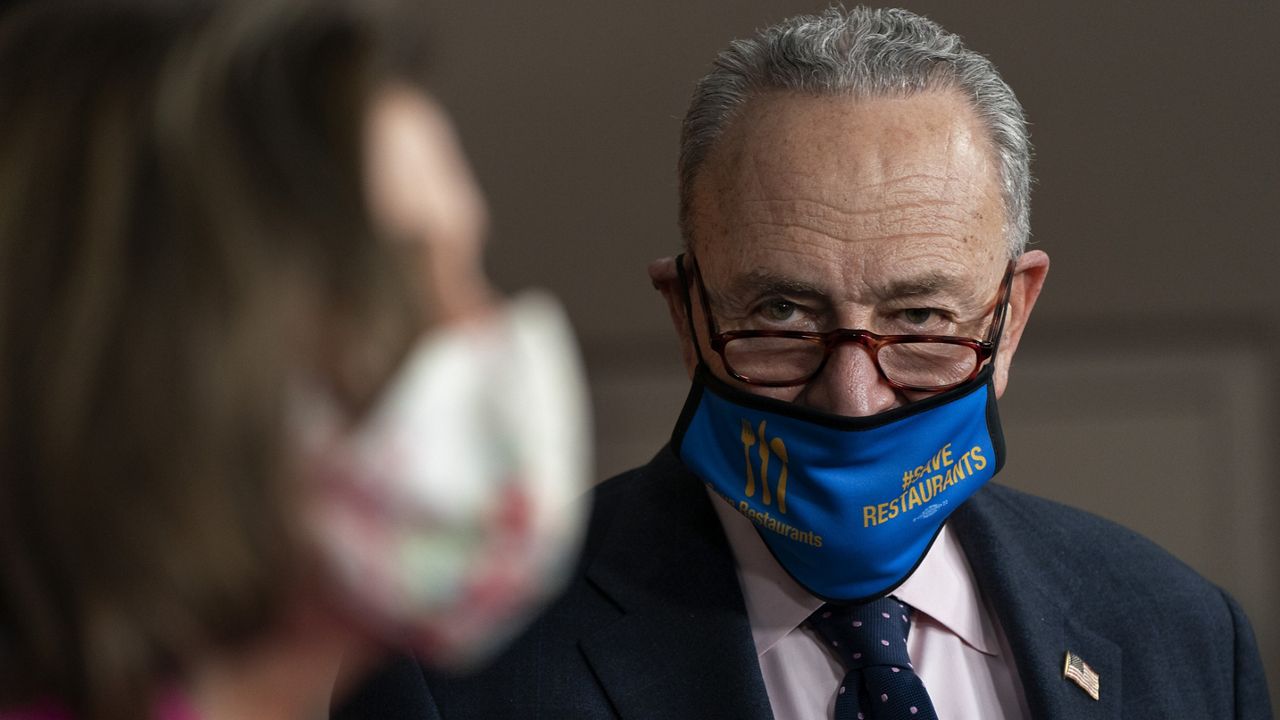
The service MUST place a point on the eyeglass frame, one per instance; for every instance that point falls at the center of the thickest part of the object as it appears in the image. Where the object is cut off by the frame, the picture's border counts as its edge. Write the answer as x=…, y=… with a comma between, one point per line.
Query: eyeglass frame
x=831, y=339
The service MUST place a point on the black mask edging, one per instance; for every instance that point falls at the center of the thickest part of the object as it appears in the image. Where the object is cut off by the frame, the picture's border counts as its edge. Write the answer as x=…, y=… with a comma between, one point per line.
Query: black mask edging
x=704, y=380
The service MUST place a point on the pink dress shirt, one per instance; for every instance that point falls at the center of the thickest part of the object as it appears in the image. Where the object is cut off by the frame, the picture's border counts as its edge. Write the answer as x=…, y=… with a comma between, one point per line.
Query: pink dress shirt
x=956, y=644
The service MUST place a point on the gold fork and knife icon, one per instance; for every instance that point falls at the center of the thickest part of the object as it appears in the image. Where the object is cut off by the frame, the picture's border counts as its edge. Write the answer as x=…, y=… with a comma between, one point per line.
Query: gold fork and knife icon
x=767, y=447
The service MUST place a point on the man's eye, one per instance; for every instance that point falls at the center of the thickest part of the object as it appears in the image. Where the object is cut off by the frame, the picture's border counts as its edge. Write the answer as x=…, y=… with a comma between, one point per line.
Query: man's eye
x=778, y=310
x=919, y=316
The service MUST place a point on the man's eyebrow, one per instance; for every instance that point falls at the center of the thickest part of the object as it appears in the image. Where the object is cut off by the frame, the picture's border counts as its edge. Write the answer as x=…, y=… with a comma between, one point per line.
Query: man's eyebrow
x=764, y=282
x=931, y=283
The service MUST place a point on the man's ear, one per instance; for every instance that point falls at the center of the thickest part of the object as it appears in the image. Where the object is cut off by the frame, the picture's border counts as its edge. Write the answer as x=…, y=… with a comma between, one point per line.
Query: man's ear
x=666, y=280
x=1028, y=279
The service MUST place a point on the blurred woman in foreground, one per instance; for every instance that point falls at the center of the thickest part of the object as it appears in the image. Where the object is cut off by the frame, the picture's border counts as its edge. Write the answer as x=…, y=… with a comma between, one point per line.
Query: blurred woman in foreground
x=258, y=409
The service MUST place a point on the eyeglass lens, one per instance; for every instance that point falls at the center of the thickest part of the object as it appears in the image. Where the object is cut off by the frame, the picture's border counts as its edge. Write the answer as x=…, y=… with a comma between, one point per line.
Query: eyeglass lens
x=784, y=359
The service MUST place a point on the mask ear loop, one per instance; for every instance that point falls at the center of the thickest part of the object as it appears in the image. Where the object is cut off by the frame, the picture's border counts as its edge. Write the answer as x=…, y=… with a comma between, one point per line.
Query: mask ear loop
x=688, y=304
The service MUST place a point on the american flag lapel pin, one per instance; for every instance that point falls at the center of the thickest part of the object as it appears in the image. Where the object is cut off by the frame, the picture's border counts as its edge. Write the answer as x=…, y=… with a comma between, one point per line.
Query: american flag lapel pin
x=1078, y=671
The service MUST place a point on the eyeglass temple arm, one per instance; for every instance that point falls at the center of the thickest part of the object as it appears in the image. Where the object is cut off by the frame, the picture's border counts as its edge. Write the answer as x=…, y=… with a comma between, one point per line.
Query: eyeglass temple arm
x=1002, y=308
x=688, y=303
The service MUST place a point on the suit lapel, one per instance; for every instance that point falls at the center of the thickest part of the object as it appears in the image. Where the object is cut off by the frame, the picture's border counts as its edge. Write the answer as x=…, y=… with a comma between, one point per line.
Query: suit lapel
x=683, y=647
x=1030, y=595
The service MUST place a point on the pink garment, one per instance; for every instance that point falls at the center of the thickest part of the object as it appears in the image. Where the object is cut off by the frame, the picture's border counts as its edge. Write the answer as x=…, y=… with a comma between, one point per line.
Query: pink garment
x=956, y=645
x=171, y=706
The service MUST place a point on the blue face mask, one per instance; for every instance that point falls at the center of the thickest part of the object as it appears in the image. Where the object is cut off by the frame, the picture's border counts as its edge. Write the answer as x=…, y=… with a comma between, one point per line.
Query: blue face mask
x=848, y=506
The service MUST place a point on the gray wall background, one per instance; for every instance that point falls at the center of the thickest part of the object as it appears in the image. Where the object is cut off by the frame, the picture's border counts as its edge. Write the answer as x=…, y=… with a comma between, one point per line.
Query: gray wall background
x=1147, y=384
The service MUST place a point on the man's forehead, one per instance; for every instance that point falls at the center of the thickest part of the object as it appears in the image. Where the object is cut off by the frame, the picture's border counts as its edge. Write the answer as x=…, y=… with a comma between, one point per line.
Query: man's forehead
x=888, y=175
x=896, y=276
x=842, y=147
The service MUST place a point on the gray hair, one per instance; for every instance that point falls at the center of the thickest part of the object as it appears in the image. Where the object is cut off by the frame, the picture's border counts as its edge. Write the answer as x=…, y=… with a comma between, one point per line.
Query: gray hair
x=863, y=52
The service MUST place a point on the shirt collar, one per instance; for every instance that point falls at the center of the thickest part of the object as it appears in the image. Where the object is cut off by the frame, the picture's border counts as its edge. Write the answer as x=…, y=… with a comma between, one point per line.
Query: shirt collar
x=942, y=587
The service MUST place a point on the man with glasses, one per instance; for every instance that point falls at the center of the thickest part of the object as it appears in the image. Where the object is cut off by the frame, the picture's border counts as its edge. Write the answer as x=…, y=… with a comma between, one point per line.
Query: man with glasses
x=820, y=538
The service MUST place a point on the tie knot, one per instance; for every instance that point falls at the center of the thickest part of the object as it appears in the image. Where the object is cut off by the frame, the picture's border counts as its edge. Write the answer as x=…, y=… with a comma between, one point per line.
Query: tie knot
x=866, y=635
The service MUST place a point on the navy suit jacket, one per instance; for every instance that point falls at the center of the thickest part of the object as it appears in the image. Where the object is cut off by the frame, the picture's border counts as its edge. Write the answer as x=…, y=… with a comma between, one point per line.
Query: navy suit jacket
x=654, y=626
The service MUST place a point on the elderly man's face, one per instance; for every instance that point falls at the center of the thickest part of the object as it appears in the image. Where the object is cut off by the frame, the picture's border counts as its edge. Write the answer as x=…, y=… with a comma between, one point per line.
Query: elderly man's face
x=881, y=214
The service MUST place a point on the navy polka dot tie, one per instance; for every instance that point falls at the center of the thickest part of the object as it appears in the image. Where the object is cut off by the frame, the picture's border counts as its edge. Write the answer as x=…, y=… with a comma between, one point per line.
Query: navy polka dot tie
x=871, y=641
